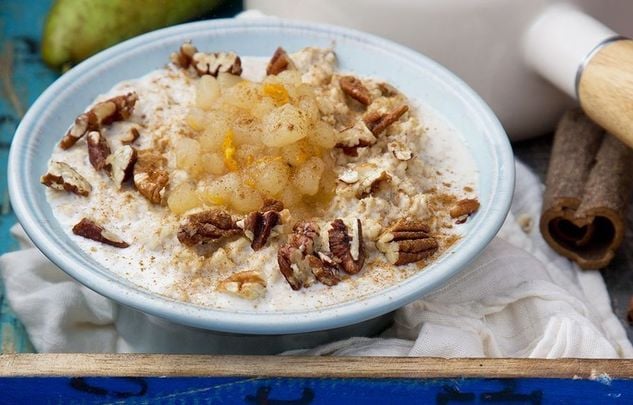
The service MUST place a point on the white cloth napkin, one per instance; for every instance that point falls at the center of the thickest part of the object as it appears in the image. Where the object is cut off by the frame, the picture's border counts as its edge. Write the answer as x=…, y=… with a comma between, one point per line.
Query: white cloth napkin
x=518, y=299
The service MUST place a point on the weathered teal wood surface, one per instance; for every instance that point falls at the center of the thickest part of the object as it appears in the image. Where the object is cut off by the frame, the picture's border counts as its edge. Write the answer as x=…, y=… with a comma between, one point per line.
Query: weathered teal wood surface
x=22, y=78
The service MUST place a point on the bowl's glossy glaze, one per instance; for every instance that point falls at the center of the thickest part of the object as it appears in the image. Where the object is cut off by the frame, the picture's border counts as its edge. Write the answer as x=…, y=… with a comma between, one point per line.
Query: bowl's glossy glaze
x=414, y=74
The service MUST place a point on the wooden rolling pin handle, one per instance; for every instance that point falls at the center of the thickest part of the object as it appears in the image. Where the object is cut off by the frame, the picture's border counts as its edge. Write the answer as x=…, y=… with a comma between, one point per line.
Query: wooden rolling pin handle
x=605, y=88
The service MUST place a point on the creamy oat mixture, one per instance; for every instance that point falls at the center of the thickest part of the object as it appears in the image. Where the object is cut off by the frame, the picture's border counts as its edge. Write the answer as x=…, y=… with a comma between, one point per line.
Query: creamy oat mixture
x=407, y=185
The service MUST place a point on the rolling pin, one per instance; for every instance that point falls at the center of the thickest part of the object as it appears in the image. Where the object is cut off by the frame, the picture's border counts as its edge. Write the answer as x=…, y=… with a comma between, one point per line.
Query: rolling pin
x=589, y=62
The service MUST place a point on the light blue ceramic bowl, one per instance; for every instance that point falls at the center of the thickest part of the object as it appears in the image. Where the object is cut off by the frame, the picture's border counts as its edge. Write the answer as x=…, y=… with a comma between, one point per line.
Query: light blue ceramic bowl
x=416, y=75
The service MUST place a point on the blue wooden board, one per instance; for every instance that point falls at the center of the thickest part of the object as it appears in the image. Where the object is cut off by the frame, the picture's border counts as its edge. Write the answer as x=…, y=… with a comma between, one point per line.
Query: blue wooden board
x=286, y=391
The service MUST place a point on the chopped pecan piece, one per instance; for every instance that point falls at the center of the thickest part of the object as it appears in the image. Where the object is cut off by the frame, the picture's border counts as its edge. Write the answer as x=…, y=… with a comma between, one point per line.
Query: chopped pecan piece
x=463, y=209
x=63, y=177
x=208, y=226
x=91, y=230
x=123, y=108
x=84, y=123
x=291, y=256
x=131, y=136
x=387, y=90
x=279, y=62
x=121, y=164
x=104, y=113
x=348, y=252
x=354, y=88
x=407, y=241
x=324, y=269
x=258, y=225
x=98, y=150
x=150, y=177
x=216, y=62
x=293, y=267
x=377, y=122
x=184, y=57
x=245, y=284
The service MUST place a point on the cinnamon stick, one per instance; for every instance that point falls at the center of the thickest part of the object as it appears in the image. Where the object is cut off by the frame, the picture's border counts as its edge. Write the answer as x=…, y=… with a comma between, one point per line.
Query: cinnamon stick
x=587, y=191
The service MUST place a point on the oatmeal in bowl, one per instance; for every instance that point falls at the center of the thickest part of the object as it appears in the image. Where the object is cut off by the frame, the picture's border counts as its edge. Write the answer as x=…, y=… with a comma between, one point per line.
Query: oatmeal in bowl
x=240, y=183
x=202, y=176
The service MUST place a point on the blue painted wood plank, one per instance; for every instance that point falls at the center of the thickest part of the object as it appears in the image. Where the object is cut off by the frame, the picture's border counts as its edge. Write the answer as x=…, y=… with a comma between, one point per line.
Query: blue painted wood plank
x=282, y=391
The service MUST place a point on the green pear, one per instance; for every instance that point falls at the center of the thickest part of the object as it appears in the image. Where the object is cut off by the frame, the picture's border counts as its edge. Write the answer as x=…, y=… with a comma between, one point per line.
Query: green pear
x=76, y=29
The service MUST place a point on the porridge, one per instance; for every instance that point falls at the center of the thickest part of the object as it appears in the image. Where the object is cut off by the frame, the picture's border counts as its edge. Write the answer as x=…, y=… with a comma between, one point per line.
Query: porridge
x=269, y=185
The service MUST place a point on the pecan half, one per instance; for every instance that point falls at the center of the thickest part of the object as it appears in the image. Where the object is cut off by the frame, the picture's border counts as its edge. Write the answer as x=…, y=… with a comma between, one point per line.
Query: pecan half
x=184, y=57
x=245, y=284
x=208, y=226
x=150, y=176
x=258, y=225
x=407, y=241
x=348, y=252
x=377, y=122
x=121, y=164
x=130, y=137
x=279, y=62
x=355, y=89
x=98, y=150
x=463, y=209
x=83, y=124
x=216, y=62
x=91, y=230
x=61, y=176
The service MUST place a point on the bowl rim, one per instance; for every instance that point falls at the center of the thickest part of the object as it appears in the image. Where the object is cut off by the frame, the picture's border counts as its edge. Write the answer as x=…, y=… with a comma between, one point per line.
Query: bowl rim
x=330, y=317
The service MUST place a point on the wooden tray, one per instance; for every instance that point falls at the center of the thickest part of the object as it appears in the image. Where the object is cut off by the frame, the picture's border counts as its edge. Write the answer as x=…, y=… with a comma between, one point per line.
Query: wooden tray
x=107, y=378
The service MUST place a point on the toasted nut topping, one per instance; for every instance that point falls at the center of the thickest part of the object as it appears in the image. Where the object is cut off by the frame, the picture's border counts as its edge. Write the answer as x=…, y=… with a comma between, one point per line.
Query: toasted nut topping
x=258, y=225
x=245, y=284
x=184, y=57
x=104, y=113
x=407, y=241
x=98, y=150
x=354, y=88
x=463, y=209
x=91, y=230
x=279, y=62
x=121, y=164
x=324, y=269
x=83, y=124
x=348, y=252
x=291, y=256
x=63, y=177
x=400, y=151
x=354, y=137
x=131, y=136
x=208, y=226
x=216, y=62
x=377, y=122
x=150, y=177
x=387, y=90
